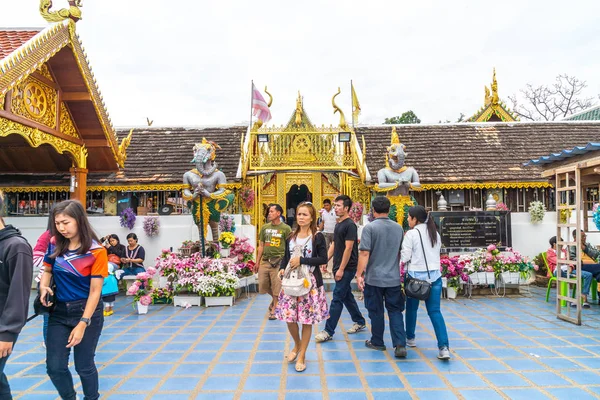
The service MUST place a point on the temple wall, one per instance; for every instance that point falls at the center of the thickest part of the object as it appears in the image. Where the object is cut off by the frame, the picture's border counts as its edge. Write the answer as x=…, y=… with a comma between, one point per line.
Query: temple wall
x=174, y=229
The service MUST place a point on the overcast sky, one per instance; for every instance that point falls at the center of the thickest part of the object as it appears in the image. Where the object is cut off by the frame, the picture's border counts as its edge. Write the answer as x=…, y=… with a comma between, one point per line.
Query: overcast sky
x=190, y=62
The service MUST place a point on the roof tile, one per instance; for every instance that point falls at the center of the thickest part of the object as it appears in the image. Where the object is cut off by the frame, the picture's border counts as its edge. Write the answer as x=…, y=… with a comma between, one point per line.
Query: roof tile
x=10, y=40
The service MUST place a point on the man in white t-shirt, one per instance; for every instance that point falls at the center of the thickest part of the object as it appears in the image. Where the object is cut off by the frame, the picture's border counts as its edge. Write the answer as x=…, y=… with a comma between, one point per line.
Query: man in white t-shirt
x=327, y=225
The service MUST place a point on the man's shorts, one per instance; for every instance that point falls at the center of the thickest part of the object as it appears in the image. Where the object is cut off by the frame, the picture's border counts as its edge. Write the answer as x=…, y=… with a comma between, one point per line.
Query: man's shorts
x=268, y=278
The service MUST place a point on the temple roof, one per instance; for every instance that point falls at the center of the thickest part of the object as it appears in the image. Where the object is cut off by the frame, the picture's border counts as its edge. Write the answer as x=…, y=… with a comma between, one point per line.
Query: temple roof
x=589, y=114
x=12, y=39
x=476, y=152
x=58, y=48
x=163, y=155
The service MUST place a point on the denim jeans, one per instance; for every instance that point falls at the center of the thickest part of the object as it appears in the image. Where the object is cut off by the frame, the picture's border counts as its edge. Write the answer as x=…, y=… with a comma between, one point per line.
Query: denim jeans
x=132, y=271
x=4, y=386
x=434, y=311
x=394, y=303
x=342, y=296
x=594, y=269
x=62, y=321
x=587, y=280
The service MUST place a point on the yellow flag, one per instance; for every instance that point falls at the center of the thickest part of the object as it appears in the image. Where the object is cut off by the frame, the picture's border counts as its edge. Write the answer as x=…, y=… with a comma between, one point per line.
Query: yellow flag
x=355, y=106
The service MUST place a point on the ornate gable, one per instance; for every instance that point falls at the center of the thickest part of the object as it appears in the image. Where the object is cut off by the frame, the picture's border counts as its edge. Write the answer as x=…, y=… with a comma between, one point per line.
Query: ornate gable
x=493, y=110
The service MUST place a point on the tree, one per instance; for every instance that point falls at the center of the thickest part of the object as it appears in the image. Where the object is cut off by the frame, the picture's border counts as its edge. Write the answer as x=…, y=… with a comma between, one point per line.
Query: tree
x=408, y=117
x=548, y=103
x=461, y=118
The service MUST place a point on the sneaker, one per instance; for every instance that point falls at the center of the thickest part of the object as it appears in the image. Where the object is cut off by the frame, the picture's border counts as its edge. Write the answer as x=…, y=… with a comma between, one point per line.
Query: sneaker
x=400, y=352
x=43, y=344
x=119, y=273
x=373, y=346
x=356, y=328
x=323, y=336
x=444, y=354
x=586, y=305
x=411, y=342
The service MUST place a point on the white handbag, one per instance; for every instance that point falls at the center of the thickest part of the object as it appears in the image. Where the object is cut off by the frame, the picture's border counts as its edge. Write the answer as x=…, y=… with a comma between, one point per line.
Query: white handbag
x=296, y=282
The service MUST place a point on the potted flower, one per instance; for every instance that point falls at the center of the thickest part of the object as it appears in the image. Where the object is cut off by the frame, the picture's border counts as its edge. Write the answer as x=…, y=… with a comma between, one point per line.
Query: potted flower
x=226, y=239
x=356, y=211
x=537, y=210
x=141, y=290
x=151, y=226
x=247, y=195
x=217, y=286
x=453, y=271
x=227, y=223
x=162, y=295
x=127, y=218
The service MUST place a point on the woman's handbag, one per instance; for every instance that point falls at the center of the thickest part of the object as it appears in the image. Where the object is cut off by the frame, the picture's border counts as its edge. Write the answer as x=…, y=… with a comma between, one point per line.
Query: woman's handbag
x=418, y=288
x=296, y=281
x=38, y=307
x=115, y=259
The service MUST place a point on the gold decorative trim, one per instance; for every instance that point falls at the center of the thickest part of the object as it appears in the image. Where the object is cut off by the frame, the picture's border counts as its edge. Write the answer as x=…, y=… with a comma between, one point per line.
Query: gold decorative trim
x=141, y=187
x=35, y=138
x=67, y=126
x=45, y=72
x=38, y=189
x=230, y=186
x=486, y=185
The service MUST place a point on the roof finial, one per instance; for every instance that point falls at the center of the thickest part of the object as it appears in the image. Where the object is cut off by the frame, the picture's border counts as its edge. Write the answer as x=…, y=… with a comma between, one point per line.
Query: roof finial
x=395, y=138
x=72, y=12
x=298, y=120
x=495, y=98
x=343, y=123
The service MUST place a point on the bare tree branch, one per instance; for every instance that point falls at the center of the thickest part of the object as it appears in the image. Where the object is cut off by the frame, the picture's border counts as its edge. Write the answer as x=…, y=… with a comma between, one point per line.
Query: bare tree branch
x=548, y=103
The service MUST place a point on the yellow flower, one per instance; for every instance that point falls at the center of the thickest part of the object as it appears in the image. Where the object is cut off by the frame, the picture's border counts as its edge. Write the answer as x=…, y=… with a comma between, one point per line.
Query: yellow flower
x=227, y=238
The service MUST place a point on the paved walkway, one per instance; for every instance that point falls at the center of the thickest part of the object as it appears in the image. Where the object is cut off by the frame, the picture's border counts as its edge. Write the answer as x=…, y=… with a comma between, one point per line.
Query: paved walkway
x=501, y=348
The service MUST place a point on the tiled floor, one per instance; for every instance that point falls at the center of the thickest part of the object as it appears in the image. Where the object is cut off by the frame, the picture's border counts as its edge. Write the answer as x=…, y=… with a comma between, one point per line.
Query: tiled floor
x=501, y=347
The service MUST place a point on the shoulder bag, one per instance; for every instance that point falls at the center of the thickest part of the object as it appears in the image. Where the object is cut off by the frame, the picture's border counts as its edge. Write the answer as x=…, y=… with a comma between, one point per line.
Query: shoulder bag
x=296, y=281
x=418, y=288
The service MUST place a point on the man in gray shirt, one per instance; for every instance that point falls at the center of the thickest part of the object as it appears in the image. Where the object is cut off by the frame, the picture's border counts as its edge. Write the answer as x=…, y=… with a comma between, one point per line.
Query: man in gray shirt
x=379, y=260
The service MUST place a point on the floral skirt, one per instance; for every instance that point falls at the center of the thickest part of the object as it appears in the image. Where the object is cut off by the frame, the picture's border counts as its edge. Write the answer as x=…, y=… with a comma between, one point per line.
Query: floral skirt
x=307, y=310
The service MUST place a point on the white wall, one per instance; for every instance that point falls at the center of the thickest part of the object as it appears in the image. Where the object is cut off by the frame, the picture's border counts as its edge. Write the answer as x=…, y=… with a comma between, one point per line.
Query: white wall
x=174, y=229
x=529, y=239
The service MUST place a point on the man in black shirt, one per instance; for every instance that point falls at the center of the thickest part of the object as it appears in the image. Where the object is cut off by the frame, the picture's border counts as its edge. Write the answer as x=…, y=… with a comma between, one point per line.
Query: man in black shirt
x=344, y=250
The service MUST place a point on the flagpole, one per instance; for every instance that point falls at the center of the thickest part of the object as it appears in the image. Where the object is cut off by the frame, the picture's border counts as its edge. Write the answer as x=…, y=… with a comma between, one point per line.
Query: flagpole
x=352, y=102
x=251, y=97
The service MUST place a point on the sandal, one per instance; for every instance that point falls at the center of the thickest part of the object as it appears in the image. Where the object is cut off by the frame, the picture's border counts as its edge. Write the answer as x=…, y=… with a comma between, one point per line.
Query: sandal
x=271, y=305
x=300, y=367
x=272, y=317
x=291, y=357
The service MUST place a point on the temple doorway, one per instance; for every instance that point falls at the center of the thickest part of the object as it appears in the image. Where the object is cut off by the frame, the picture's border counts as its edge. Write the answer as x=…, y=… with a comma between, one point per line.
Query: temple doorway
x=295, y=196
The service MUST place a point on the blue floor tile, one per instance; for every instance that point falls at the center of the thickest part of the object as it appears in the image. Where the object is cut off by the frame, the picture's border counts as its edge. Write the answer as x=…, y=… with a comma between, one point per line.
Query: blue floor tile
x=392, y=395
x=506, y=379
x=481, y=394
x=545, y=378
x=371, y=367
x=436, y=395
x=466, y=381
x=525, y=394
x=303, y=382
x=179, y=384
x=425, y=381
x=304, y=396
x=384, y=382
x=221, y=383
x=254, y=382
x=344, y=382
x=340, y=368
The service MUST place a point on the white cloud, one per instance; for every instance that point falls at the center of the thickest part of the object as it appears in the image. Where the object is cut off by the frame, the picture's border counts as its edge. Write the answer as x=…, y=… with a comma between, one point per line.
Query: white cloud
x=191, y=62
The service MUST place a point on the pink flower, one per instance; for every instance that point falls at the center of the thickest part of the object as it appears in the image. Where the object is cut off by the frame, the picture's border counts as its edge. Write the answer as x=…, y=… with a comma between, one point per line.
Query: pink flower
x=146, y=300
x=491, y=247
x=132, y=290
x=151, y=271
x=142, y=276
x=536, y=267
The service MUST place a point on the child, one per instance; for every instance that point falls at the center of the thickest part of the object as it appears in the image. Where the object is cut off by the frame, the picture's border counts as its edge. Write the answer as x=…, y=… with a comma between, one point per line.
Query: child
x=110, y=289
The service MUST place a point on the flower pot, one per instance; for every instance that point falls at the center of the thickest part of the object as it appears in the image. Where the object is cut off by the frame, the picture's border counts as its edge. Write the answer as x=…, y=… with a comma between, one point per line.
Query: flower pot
x=225, y=252
x=510, y=278
x=451, y=293
x=490, y=278
x=142, y=309
x=243, y=282
x=185, y=299
x=218, y=301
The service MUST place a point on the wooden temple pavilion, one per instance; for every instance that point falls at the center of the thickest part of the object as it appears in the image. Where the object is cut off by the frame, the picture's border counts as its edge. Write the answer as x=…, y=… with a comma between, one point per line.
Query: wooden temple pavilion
x=52, y=116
